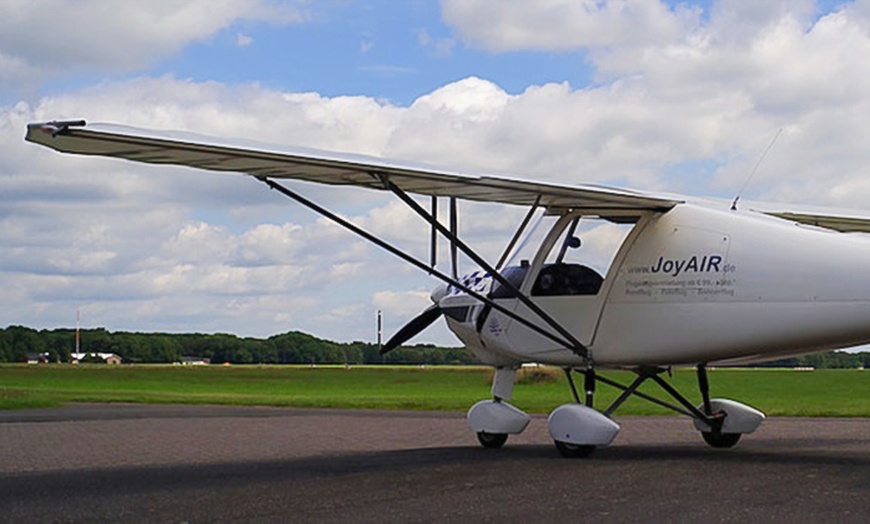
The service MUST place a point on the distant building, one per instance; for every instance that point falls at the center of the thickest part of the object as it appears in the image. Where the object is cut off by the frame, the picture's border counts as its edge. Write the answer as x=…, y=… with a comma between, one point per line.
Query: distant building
x=37, y=358
x=109, y=358
x=195, y=361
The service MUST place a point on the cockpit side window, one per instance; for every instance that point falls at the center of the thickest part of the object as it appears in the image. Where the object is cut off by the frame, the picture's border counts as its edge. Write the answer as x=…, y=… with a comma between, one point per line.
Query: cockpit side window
x=515, y=275
x=579, y=260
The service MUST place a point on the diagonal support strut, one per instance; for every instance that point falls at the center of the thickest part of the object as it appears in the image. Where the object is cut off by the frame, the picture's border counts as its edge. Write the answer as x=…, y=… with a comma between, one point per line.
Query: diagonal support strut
x=409, y=259
x=575, y=345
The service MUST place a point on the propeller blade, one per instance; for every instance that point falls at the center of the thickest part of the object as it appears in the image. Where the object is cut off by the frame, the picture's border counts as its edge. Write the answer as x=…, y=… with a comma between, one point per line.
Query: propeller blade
x=412, y=328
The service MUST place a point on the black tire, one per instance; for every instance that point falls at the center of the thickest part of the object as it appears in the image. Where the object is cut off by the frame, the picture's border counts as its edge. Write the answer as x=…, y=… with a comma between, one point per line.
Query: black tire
x=492, y=440
x=717, y=439
x=568, y=450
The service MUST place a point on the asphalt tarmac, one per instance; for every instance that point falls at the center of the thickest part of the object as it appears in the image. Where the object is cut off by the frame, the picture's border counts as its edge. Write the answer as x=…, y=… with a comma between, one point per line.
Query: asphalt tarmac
x=203, y=463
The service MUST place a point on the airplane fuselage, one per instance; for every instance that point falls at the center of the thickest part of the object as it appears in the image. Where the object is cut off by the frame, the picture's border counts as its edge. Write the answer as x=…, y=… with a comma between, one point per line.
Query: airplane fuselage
x=698, y=284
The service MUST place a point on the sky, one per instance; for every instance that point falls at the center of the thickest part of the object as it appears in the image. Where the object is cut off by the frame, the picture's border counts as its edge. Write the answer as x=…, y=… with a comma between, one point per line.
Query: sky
x=672, y=96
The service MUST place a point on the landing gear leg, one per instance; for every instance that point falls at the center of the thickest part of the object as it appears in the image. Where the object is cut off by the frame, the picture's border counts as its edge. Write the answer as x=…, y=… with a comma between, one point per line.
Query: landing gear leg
x=589, y=385
x=573, y=386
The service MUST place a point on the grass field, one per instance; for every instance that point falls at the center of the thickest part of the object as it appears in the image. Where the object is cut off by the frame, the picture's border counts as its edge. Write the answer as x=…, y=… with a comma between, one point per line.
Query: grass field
x=776, y=392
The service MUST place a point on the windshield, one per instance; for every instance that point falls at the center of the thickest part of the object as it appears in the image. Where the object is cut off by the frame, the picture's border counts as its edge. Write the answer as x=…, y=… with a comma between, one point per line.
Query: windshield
x=589, y=241
x=532, y=240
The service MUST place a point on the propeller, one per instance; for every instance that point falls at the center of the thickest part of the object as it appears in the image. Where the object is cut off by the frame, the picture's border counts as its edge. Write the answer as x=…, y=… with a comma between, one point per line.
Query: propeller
x=412, y=328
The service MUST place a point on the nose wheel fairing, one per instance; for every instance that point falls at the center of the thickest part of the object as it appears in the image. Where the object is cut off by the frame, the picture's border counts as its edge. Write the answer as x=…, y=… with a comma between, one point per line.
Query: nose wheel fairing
x=497, y=417
x=579, y=425
x=740, y=418
x=493, y=420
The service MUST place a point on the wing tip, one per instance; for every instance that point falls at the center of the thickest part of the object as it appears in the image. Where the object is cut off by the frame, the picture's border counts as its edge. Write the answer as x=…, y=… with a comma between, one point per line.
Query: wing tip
x=53, y=128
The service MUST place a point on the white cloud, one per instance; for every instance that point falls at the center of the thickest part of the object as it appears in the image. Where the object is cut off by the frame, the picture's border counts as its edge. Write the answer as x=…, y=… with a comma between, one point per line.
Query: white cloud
x=89, y=232
x=561, y=25
x=243, y=40
x=442, y=47
x=736, y=22
x=41, y=39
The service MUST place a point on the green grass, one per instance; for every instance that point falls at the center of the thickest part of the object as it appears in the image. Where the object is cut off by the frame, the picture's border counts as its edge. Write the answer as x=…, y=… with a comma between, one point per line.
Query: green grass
x=776, y=392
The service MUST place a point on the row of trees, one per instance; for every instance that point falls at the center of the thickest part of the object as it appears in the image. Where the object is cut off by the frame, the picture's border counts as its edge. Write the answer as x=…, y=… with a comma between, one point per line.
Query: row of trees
x=829, y=360
x=16, y=342
x=287, y=348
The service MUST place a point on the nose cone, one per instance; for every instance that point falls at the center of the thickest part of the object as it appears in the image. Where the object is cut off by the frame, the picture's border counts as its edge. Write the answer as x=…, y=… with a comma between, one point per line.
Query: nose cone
x=438, y=293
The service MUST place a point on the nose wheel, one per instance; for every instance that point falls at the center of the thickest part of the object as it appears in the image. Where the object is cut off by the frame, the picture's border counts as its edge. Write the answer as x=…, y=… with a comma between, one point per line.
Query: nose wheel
x=491, y=440
x=717, y=439
x=568, y=450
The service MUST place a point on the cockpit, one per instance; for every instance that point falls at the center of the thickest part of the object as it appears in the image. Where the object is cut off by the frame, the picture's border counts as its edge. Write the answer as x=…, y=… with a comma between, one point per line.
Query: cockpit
x=554, y=279
x=562, y=267
x=566, y=279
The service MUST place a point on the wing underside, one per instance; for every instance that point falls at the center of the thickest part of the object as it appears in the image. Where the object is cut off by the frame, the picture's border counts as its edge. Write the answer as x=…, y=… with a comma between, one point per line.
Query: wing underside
x=281, y=162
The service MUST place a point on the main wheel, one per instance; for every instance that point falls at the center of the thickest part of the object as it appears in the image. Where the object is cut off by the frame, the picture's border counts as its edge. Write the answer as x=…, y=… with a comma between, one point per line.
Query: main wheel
x=569, y=450
x=492, y=440
x=717, y=439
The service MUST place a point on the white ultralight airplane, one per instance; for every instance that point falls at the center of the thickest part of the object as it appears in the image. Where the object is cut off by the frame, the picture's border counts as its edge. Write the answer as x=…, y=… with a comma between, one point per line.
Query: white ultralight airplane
x=692, y=283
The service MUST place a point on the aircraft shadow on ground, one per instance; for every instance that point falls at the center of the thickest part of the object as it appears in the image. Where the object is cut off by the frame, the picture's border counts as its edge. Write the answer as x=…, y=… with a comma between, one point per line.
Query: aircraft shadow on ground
x=15, y=487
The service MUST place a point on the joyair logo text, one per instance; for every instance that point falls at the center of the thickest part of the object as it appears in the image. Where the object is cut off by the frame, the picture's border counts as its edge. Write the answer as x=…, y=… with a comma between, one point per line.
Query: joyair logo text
x=693, y=264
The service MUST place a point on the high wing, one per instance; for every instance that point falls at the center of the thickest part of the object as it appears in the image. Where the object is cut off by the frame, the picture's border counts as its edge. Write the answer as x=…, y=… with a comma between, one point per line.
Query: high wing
x=271, y=161
x=842, y=223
